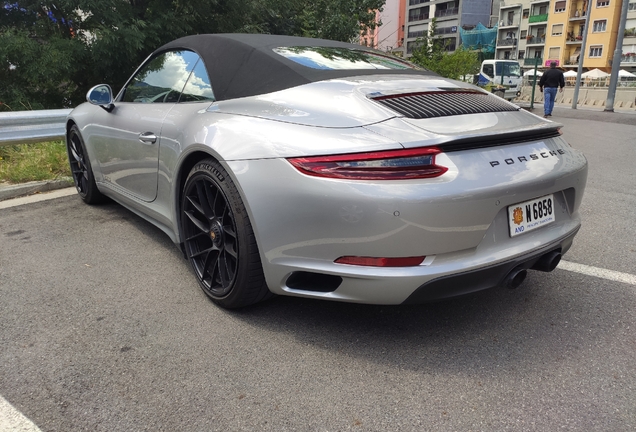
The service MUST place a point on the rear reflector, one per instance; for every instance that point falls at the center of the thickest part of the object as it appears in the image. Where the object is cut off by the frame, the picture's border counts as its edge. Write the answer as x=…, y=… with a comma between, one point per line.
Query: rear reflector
x=381, y=262
x=385, y=165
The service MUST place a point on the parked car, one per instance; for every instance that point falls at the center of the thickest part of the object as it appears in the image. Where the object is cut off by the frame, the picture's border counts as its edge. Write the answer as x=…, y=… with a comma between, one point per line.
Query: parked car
x=321, y=169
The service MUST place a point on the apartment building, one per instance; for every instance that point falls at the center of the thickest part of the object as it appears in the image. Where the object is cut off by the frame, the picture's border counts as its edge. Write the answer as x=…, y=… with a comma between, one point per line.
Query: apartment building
x=566, y=25
x=450, y=16
x=628, y=59
x=552, y=30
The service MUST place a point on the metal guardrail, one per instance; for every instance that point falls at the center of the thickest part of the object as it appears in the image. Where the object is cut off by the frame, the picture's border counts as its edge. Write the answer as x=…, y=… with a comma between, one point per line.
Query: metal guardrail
x=24, y=127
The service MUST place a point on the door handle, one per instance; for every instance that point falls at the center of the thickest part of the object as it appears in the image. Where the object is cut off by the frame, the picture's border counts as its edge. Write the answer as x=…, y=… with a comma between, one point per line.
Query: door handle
x=148, y=138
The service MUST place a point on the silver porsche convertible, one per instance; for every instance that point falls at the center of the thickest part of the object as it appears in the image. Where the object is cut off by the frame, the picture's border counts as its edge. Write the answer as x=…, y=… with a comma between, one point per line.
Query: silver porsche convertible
x=313, y=168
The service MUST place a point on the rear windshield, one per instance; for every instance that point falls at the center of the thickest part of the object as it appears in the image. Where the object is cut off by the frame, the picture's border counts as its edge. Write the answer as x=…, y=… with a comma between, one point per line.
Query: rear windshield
x=332, y=58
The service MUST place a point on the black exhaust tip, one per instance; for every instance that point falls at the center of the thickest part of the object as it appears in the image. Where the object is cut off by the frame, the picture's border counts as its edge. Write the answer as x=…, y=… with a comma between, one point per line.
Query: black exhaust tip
x=515, y=278
x=548, y=262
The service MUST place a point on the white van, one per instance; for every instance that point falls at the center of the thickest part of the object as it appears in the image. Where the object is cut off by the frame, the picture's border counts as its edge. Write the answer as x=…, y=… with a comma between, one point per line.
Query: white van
x=492, y=71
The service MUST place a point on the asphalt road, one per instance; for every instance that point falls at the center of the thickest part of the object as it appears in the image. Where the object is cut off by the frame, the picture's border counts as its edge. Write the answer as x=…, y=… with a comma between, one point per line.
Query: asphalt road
x=103, y=328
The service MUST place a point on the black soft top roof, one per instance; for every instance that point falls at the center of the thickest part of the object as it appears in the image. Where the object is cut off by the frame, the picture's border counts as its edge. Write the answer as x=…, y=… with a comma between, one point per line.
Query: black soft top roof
x=243, y=65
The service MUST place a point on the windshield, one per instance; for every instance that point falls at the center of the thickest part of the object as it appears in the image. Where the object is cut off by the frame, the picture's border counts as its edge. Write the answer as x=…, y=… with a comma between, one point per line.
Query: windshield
x=510, y=69
x=331, y=58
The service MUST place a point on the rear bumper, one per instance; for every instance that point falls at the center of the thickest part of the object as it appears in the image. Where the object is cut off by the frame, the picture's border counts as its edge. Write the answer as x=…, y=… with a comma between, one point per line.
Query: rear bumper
x=484, y=278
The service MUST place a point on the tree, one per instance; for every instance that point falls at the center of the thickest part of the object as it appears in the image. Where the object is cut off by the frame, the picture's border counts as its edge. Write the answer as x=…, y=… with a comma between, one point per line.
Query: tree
x=431, y=53
x=53, y=51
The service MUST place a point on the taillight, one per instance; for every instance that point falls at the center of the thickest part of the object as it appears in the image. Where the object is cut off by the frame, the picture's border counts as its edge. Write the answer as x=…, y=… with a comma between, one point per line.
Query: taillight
x=385, y=165
x=381, y=262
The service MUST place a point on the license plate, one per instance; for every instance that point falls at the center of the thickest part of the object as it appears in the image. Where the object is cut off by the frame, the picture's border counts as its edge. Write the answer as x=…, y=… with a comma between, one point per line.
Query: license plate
x=530, y=215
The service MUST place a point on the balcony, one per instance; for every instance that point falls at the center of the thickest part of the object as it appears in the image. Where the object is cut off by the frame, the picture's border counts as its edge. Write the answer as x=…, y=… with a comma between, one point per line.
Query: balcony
x=628, y=58
x=535, y=40
x=533, y=61
x=416, y=2
x=419, y=17
x=441, y=13
x=417, y=34
x=538, y=18
x=445, y=30
x=578, y=16
x=508, y=42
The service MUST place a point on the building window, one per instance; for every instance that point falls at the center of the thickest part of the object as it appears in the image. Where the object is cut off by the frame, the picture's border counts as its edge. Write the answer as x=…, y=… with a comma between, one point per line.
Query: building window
x=599, y=26
x=602, y=3
x=557, y=29
x=521, y=55
x=524, y=34
x=559, y=6
x=632, y=6
x=596, y=51
x=554, y=53
x=526, y=13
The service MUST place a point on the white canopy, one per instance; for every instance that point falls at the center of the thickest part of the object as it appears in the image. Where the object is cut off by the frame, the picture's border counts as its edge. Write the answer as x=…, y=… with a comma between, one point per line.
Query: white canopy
x=595, y=73
x=624, y=74
x=570, y=74
x=531, y=73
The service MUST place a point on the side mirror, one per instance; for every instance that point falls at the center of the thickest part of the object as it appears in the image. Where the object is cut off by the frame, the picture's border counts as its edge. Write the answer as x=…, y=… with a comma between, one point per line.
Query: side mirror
x=101, y=95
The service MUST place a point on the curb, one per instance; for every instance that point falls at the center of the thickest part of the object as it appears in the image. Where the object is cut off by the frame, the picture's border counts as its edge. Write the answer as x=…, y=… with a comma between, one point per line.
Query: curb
x=30, y=188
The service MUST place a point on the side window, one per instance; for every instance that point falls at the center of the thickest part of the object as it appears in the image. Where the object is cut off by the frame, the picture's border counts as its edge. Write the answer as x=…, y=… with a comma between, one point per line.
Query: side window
x=162, y=79
x=489, y=70
x=198, y=87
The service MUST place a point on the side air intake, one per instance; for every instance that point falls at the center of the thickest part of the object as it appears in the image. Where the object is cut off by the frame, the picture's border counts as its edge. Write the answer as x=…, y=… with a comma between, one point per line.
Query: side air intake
x=444, y=103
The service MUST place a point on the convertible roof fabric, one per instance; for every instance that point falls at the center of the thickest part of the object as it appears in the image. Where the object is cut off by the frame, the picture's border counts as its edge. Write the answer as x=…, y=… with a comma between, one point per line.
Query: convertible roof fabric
x=242, y=65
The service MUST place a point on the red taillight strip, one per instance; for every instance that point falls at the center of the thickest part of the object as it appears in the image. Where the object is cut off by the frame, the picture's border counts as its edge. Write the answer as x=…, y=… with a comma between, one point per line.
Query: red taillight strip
x=397, y=165
x=381, y=262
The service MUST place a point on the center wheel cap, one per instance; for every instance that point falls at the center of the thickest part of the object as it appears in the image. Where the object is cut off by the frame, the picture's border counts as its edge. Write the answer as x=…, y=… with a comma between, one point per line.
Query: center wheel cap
x=216, y=232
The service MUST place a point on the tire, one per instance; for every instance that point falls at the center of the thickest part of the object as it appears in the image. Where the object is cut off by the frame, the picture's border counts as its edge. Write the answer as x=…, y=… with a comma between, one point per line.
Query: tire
x=218, y=238
x=81, y=169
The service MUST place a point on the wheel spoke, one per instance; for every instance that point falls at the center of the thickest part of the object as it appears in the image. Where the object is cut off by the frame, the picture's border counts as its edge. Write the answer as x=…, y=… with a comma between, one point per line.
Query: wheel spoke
x=204, y=201
x=229, y=248
x=211, y=199
x=210, y=260
x=224, y=272
x=197, y=222
x=74, y=149
x=229, y=230
x=197, y=206
x=199, y=234
x=204, y=251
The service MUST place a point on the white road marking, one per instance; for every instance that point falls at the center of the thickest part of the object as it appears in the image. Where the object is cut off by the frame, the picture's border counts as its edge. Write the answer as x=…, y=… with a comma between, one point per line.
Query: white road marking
x=598, y=272
x=38, y=197
x=12, y=420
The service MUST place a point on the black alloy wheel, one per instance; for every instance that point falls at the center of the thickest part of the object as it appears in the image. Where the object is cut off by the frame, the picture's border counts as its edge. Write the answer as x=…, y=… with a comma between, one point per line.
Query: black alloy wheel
x=218, y=238
x=81, y=168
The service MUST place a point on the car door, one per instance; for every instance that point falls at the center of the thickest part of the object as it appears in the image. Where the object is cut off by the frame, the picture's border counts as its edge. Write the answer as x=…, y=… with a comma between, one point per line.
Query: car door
x=127, y=139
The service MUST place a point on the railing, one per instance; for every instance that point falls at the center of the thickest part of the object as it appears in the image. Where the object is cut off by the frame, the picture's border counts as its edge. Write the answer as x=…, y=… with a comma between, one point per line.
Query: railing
x=581, y=16
x=446, y=12
x=418, y=17
x=535, y=40
x=538, y=18
x=507, y=42
x=446, y=30
x=628, y=59
x=24, y=127
x=532, y=61
x=416, y=2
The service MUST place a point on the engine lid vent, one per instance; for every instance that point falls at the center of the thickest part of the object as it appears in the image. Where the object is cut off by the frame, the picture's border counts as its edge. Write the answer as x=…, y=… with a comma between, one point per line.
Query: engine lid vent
x=444, y=103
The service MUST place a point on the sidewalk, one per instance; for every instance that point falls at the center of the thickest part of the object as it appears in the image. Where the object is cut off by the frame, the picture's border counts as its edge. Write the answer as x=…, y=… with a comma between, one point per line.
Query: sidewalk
x=621, y=116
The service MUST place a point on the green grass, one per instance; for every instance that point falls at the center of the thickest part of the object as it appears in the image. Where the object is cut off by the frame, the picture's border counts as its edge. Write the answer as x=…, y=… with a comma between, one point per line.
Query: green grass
x=33, y=162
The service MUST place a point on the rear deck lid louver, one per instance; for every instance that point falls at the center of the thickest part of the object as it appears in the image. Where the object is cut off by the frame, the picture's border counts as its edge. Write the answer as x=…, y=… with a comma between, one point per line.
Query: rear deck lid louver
x=444, y=103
